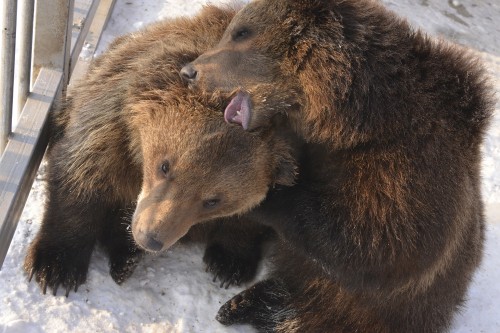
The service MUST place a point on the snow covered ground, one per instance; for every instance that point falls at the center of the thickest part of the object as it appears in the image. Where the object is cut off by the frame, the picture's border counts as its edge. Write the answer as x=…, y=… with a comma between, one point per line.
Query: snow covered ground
x=171, y=292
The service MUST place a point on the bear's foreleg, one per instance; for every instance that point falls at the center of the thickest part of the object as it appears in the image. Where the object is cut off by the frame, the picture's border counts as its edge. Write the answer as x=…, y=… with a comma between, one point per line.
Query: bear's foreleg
x=117, y=240
x=60, y=253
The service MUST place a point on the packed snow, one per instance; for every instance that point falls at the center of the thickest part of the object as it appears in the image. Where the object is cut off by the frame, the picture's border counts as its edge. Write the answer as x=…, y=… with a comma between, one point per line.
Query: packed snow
x=172, y=292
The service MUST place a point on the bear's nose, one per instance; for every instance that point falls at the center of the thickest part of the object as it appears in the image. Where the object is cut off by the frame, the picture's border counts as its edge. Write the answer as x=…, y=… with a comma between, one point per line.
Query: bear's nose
x=188, y=73
x=153, y=244
x=149, y=242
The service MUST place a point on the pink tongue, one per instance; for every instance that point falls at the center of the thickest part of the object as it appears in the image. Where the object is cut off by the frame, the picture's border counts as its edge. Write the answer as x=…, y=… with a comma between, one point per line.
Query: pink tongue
x=238, y=110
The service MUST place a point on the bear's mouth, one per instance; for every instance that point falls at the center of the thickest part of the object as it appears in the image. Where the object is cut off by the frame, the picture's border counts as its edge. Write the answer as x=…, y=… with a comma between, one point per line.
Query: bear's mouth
x=238, y=110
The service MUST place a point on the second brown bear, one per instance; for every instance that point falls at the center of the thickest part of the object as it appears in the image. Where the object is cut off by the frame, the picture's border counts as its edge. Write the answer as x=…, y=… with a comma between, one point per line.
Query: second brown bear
x=385, y=227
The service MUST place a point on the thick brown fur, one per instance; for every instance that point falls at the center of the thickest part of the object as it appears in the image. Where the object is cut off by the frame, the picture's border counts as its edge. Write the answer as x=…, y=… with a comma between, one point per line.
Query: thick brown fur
x=131, y=133
x=386, y=221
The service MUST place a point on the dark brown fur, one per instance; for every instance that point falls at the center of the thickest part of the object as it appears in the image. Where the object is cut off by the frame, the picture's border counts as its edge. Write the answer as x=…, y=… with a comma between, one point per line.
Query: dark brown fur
x=386, y=221
x=130, y=129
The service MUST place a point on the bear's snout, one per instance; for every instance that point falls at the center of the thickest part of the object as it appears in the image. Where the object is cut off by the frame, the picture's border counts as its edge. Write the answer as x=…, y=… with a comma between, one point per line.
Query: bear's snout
x=148, y=241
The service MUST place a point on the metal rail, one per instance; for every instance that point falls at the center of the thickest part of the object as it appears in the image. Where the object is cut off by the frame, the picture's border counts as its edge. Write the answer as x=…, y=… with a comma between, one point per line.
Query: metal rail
x=57, y=43
x=7, y=55
x=24, y=40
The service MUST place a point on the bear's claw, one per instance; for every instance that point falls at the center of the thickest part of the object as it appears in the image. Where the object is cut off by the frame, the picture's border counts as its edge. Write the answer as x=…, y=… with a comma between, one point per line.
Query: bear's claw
x=53, y=267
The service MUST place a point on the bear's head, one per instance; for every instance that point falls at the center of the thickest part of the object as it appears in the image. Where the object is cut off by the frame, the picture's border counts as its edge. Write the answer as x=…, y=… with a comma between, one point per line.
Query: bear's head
x=196, y=167
x=295, y=57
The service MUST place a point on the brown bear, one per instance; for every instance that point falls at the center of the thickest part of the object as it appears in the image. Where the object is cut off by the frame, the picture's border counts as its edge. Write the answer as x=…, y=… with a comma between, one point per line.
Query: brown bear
x=386, y=221
x=131, y=137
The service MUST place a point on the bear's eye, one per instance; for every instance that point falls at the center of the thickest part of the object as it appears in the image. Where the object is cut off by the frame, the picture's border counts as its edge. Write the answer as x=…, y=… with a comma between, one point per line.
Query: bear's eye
x=241, y=34
x=211, y=203
x=165, y=167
